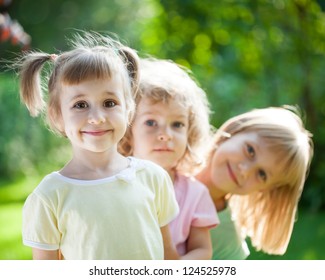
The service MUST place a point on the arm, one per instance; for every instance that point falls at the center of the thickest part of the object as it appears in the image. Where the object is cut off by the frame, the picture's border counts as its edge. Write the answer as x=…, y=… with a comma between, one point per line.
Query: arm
x=39, y=254
x=198, y=244
x=170, y=252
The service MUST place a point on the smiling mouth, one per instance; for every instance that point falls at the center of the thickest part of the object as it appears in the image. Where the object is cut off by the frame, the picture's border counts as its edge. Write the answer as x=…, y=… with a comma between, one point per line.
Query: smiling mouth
x=96, y=133
x=232, y=175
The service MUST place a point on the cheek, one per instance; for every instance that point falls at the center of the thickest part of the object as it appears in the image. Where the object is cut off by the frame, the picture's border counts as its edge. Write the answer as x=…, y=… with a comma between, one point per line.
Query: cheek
x=70, y=121
x=251, y=186
x=56, y=120
x=140, y=142
x=122, y=119
x=142, y=134
x=215, y=162
x=183, y=147
x=218, y=170
x=119, y=121
x=182, y=139
x=137, y=134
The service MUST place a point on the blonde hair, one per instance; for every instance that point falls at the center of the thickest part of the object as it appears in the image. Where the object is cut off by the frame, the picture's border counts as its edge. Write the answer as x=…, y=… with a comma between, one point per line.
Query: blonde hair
x=93, y=56
x=267, y=217
x=164, y=80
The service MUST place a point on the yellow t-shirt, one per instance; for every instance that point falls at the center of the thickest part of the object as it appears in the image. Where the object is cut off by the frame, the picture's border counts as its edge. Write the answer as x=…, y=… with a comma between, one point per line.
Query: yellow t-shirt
x=118, y=217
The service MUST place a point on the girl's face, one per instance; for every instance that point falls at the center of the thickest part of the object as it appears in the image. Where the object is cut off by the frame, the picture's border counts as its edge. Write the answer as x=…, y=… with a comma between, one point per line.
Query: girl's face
x=160, y=132
x=93, y=113
x=244, y=164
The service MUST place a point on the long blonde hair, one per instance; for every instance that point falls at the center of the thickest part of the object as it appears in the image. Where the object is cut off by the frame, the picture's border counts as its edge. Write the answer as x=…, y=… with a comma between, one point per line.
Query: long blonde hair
x=93, y=56
x=164, y=80
x=267, y=217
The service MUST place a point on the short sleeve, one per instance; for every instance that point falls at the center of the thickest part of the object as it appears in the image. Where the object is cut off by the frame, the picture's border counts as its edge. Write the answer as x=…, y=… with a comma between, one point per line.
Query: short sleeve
x=167, y=205
x=39, y=227
x=205, y=214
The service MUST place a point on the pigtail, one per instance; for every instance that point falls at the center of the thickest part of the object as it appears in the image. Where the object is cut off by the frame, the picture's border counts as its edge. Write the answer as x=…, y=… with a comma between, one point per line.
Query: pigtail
x=30, y=82
x=131, y=60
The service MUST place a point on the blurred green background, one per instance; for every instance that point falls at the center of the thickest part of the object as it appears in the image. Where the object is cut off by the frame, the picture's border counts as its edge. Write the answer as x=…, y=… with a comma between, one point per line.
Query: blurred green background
x=245, y=54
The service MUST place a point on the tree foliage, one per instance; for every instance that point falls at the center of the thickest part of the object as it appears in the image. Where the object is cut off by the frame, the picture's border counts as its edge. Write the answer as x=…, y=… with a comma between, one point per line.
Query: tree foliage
x=245, y=54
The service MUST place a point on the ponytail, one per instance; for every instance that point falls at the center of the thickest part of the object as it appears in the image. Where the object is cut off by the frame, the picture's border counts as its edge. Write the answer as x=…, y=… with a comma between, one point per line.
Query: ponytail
x=31, y=92
x=131, y=60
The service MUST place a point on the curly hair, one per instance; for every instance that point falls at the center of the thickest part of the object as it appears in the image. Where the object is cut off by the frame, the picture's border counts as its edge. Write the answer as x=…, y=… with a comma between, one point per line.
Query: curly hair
x=164, y=80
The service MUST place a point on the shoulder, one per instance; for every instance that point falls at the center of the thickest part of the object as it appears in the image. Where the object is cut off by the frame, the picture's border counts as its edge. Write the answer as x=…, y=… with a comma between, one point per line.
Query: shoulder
x=192, y=184
x=45, y=192
x=50, y=181
x=152, y=175
x=147, y=166
x=52, y=186
x=226, y=216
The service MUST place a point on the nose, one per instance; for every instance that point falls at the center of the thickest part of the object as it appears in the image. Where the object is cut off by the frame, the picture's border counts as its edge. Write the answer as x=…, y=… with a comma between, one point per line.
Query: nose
x=164, y=135
x=96, y=116
x=245, y=168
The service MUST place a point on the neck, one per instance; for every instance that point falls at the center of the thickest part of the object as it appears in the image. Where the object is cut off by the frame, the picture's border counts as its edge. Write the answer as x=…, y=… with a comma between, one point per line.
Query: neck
x=172, y=174
x=218, y=195
x=91, y=165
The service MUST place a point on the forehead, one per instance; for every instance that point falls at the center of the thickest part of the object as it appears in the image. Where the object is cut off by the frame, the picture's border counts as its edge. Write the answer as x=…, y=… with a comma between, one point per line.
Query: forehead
x=93, y=87
x=172, y=106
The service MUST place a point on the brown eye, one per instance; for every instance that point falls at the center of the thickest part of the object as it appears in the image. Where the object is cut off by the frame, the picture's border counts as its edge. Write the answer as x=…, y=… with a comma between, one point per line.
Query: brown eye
x=178, y=124
x=262, y=175
x=109, y=103
x=80, y=105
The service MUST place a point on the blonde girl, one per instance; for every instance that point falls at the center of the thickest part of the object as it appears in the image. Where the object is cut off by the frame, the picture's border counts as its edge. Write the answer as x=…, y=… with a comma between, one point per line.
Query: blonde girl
x=255, y=174
x=100, y=205
x=171, y=128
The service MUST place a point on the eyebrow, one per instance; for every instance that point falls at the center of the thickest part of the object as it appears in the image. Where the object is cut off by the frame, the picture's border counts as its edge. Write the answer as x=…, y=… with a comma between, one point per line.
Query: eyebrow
x=82, y=95
x=181, y=116
x=78, y=96
x=154, y=113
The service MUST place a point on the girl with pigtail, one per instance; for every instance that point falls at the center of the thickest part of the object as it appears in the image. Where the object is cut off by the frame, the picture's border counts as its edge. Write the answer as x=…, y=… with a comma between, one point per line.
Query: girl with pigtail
x=101, y=204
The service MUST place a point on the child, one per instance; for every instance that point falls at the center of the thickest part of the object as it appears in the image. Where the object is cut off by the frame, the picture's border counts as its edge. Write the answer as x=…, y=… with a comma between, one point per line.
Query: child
x=100, y=205
x=171, y=128
x=255, y=174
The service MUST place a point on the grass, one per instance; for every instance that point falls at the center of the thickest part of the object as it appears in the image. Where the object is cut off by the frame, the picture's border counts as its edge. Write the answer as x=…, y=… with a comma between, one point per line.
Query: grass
x=12, y=197
x=307, y=242
x=11, y=247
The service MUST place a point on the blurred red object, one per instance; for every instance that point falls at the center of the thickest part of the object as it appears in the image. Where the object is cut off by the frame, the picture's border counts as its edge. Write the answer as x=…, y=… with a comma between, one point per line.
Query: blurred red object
x=12, y=30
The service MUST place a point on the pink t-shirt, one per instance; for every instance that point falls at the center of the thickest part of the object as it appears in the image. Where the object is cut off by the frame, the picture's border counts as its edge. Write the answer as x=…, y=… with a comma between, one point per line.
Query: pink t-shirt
x=196, y=209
